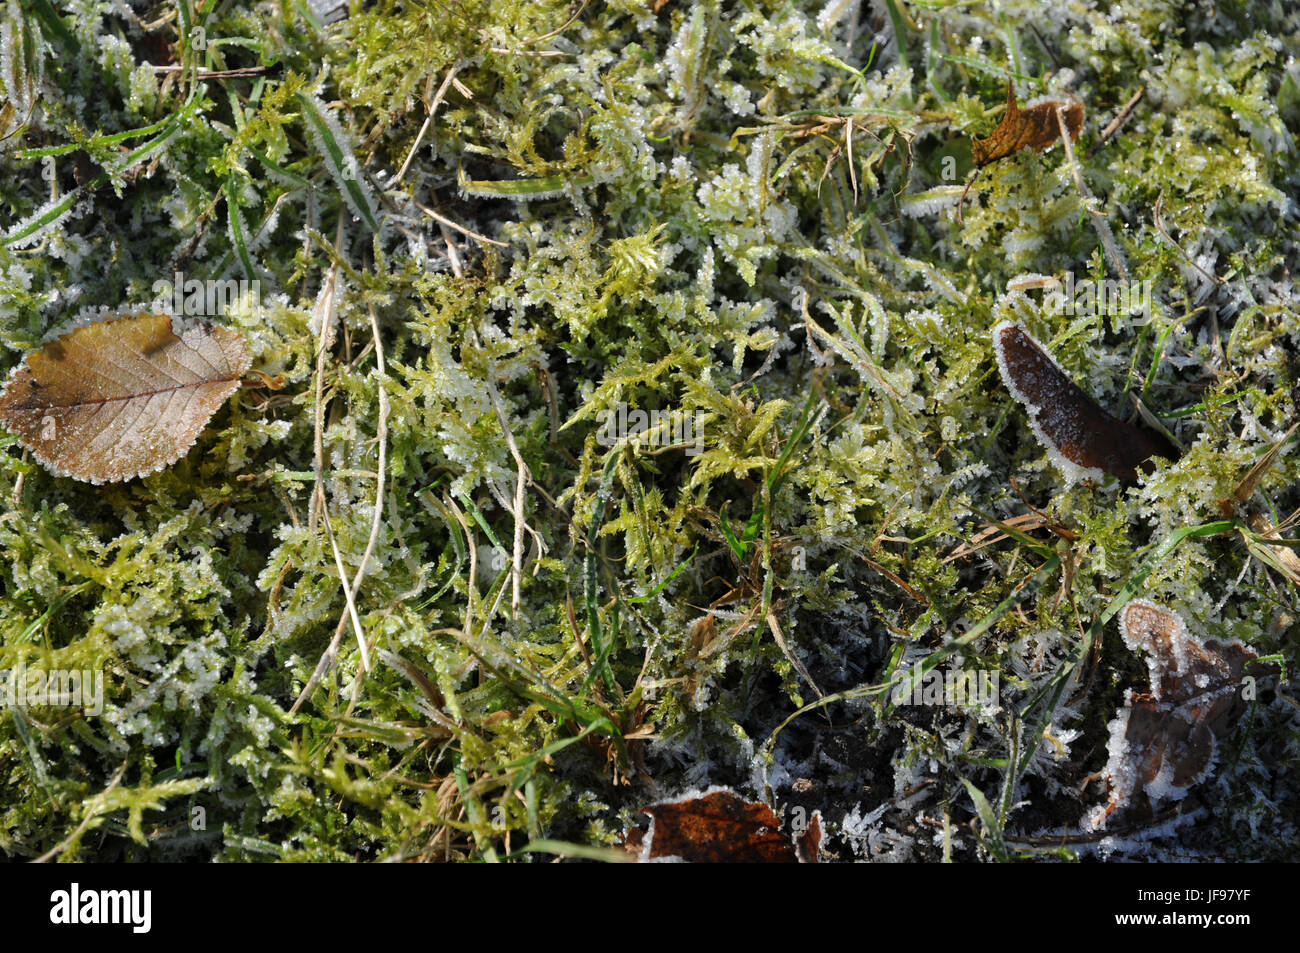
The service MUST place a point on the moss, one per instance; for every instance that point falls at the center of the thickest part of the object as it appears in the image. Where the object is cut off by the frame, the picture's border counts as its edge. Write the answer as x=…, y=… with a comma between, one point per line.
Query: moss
x=717, y=210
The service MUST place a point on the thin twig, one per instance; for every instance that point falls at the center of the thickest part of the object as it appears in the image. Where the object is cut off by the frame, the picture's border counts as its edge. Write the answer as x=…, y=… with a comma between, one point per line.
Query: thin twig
x=203, y=73
x=853, y=175
x=428, y=120
x=347, y=591
x=501, y=50
x=86, y=821
x=471, y=586
x=1160, y=227
x=325, y=663
x=327, y=660
x=560, y=29
x=1113, y=126
x=453, y=256
x=443, y=220
x=1090, y=203
x=790, y=656
x=324, y=312
x=522, y=478
x=381, y=434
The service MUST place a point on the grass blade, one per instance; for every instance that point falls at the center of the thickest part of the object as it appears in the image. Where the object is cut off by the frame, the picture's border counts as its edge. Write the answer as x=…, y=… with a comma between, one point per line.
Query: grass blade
x=331, y=143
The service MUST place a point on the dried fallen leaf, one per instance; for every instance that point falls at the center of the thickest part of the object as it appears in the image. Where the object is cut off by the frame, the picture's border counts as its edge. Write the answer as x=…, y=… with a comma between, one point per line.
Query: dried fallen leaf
x=808, y=843
x=1246, y=488
x=1163, y=742
x=121, y=398
x=1282, y=559
x=1032, y=128
x=719, y=827
x=1080, y=437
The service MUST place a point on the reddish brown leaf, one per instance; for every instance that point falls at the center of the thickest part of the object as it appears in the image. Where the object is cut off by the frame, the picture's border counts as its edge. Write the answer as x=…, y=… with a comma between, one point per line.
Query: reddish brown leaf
x=719, y=827
x=808, y=844
x=1163, y=742
x=1082, y=438
x=121, y=398
x=1032, y=128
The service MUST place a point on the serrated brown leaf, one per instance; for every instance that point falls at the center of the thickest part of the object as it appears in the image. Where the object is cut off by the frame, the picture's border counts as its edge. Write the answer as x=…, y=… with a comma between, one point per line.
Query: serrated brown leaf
x=1164, y=741
x=121, y=398
x=1032, y=128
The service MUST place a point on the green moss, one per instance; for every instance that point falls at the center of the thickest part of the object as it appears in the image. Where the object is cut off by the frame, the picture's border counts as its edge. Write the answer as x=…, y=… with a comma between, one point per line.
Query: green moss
x=678, y=217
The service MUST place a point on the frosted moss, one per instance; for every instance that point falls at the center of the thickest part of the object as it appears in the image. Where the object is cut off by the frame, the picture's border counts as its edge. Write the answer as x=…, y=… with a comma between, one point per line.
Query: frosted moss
x=747, y=213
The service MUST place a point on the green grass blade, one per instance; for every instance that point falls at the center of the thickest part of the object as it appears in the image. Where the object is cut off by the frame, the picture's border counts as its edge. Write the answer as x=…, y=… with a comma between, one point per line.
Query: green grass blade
x=521, y=190
x=591, y=594
x=608, y=855
x=992, y=829
x=331, y=143
x=671, y=576
x=238, y=233
x=899, y=24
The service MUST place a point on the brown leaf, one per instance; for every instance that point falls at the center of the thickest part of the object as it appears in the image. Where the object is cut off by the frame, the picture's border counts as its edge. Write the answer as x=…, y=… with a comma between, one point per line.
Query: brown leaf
x=1163, y=742
x=808, y=843
x=719, y=827
x=1032, y=128
x=121, y=398
x=1283, y=559
x=1082, y=438
x=1246, y=488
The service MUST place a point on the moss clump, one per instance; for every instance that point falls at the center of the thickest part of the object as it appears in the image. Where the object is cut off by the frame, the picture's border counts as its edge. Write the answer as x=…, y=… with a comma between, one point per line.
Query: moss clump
x=741, y=215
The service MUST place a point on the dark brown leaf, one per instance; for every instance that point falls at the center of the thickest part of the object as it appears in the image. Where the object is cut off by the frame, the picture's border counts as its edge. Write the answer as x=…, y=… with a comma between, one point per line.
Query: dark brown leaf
x=121, y=398
x=1032, y=128
x=1082, y=438
x=1163, y=742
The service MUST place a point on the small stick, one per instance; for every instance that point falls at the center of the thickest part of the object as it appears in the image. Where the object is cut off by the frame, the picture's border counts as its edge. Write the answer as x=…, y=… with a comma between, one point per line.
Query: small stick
x=522, y=478
x=853, y=175
x=347, y=590
x=443, y=220
x=428, y=120
x=203, y=73
x=790, y=656
x=1118, y=121
x=1160, y=227
x=1098, y=220
x=965, y=191
x=453, y=257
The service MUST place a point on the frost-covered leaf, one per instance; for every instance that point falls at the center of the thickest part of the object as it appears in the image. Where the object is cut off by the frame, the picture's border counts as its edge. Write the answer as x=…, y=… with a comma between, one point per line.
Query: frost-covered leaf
x=121, y=398
x=719, y=827
x=1032, y=128
x=1163, y=742
x=1081, y=438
